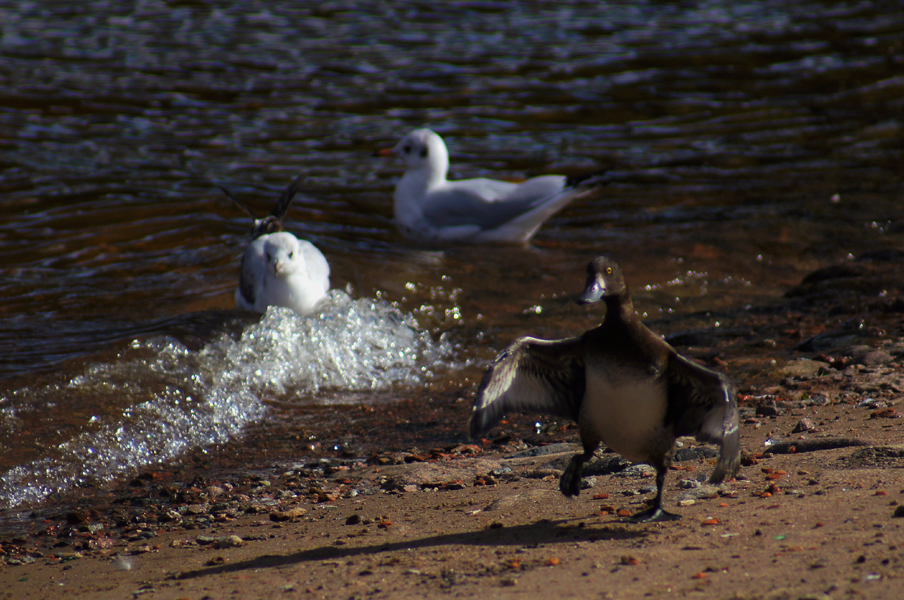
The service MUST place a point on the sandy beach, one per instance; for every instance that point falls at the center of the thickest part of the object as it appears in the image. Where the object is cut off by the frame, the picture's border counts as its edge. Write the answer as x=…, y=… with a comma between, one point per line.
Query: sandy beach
x=807, y=524
x=814, y=512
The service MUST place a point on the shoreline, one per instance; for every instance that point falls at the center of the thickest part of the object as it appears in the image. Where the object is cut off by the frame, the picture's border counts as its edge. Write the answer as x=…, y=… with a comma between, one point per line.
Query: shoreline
x=813, y=513
x=474, y=522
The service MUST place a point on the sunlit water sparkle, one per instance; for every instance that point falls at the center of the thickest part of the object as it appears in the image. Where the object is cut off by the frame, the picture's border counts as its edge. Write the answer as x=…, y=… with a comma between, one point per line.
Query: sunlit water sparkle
x=184, y=398
x=747, y=143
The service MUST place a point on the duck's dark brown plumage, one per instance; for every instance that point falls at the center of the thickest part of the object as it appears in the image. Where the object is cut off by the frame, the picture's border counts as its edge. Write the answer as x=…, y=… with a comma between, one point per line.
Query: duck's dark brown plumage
x=623, y=384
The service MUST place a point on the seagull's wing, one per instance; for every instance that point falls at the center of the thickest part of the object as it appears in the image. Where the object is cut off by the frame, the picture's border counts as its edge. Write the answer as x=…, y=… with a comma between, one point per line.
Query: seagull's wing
x=273, y=222
x=702, y=403
x=487, y=203
x=318, y=267
x=285, y=199
x=247, y=292
x=239, y=203
x=543, y=376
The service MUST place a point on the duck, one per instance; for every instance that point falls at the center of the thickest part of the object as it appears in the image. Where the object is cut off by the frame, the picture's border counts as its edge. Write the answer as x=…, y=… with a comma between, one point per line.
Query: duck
x=622, y=384
x=429, y=208
x=277, y=268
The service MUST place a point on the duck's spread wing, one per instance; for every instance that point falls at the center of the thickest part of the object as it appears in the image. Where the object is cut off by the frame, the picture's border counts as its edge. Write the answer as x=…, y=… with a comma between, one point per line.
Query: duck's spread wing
x=702, y=403
x=531, y=375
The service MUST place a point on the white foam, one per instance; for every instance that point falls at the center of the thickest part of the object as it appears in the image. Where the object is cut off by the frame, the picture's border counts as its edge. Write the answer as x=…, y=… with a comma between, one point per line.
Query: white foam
x=348, y=345
x=167, y=399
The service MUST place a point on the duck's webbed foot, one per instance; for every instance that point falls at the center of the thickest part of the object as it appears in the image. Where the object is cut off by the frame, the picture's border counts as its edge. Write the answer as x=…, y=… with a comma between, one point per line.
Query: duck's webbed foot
x=570, y=482
x=653, y=514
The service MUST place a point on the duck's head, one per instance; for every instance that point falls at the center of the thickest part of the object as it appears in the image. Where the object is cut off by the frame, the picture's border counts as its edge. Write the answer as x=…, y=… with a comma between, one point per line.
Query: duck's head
x=604, y=280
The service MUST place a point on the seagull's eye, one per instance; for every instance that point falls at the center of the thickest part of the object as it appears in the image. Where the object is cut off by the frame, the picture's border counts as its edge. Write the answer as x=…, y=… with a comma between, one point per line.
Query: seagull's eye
x=608, y=270
x=291, y=254
x=407, y=149
x=424, y=152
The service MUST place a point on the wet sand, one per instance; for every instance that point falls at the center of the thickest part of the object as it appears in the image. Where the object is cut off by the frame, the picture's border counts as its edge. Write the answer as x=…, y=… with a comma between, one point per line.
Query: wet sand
x=814, y=514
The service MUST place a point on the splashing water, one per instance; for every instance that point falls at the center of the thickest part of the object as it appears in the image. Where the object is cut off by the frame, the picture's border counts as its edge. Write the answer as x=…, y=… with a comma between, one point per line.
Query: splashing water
x=171, y=399
x=349, y=345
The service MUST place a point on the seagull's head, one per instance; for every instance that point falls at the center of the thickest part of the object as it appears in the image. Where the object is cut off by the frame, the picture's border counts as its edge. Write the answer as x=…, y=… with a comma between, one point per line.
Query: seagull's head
x=265, y=226
x=421, y=149
x=283, y=253
x=604, y=280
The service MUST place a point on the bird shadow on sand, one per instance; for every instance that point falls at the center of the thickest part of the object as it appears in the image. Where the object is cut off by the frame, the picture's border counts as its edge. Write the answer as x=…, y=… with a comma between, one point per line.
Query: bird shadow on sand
x=532, y=534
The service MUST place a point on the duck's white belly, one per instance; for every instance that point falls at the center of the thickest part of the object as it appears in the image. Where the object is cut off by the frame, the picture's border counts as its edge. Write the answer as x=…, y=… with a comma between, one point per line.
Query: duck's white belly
x=626, y=411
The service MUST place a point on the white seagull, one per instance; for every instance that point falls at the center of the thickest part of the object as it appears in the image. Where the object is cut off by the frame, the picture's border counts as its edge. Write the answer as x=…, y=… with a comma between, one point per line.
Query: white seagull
x=429, y=208
x=277, y=268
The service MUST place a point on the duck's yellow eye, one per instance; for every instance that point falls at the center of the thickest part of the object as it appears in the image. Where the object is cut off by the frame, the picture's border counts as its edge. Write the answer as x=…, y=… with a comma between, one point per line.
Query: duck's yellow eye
x=608, y=270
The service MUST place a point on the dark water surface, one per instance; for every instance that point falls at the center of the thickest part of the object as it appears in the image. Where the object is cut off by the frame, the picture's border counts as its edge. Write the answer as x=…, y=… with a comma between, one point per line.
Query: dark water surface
x=748, y=143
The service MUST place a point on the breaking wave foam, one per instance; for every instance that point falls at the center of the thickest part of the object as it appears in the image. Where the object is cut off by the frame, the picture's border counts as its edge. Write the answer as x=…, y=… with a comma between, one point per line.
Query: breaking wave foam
x=168, y=398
